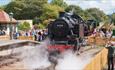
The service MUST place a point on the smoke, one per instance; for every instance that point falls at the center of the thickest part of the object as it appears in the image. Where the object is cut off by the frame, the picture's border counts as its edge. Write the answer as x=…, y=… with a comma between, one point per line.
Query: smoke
x=71, y=62
x=10, y=50
x=36, y=57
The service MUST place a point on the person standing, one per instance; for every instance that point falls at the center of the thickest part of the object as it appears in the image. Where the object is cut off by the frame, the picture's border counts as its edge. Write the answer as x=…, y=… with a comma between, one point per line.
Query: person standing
x=109, y=34
x=94, y=38
x=77, y=45
x=110, y=56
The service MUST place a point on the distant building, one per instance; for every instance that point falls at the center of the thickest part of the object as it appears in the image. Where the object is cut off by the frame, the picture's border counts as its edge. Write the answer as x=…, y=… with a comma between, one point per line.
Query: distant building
x=29, y=21
x=6, y=22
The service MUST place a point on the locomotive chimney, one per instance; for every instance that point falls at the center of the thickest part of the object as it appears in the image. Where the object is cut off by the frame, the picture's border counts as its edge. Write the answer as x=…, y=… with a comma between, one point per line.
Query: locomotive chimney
x=61, y=14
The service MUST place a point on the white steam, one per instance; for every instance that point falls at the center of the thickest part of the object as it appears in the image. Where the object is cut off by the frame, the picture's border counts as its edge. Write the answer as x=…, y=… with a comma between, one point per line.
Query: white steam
x=71, y=62
x=34, y=57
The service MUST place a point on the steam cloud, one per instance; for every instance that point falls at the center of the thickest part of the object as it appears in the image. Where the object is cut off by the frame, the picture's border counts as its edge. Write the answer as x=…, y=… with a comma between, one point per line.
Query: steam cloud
x=71, y=62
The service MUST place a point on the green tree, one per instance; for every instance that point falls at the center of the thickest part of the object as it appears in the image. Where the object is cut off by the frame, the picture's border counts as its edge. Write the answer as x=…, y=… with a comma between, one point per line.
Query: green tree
x=60, y=3
x=92, y=13
x=113, y=18
x=51, y=11
x=77, y=10
x=36, y=20
x=97, y=14
x=25, y=9
x=24, y=26
x=41, y=26
x=86, y=15
x=1, y=7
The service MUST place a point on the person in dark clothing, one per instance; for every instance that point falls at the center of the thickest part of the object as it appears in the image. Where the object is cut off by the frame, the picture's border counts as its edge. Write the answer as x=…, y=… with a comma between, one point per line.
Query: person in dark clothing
x=110, y=56
x=35, y=37
x=73, y=40
x=77, y=45
x=104, y=31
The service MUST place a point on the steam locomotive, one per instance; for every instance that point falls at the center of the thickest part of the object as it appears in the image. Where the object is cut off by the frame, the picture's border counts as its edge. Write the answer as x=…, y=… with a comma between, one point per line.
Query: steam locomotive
x=63, y=31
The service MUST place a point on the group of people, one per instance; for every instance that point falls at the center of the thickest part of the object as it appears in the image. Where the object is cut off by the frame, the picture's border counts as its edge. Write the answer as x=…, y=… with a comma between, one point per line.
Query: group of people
x=104, y=33
x=39, y=35
x=2, y=32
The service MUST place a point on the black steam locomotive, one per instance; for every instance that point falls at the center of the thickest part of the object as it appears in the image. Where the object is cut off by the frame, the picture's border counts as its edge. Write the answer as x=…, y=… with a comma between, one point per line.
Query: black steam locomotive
x=64, y=31
x=66, y=27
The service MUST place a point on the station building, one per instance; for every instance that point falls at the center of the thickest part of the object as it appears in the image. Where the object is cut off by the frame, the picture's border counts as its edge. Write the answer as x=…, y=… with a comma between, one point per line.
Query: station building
x=7, y=23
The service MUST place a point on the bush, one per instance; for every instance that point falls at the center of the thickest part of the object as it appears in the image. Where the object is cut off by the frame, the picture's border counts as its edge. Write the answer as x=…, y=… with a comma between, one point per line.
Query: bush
x=24, y=26
x=41, y=26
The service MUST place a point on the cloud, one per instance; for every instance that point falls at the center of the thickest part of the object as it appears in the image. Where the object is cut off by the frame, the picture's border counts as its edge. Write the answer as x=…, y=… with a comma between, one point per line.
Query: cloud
x=108, y=6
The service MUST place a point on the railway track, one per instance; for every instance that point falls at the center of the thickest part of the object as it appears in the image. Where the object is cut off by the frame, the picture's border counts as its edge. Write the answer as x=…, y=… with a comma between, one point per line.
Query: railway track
x=9, y=59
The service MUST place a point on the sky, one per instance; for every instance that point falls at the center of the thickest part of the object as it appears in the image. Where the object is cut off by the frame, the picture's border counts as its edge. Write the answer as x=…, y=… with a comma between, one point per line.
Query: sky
x=4, y=2
x=108, y=6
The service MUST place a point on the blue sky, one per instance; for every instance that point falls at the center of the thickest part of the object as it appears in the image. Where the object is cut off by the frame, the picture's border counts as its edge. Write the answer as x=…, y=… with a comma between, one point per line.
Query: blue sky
x=4, y=2
x=108, y=6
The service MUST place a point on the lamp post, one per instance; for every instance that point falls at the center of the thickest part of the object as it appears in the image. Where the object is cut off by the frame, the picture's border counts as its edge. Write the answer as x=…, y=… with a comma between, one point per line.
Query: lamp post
x=11, y=31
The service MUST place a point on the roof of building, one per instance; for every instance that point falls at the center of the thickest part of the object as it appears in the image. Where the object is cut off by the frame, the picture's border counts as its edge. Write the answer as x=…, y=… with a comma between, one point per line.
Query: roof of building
x=5, y=18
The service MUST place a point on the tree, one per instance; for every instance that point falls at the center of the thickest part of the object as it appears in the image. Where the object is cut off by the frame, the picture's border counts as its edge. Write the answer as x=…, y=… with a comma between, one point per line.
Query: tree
x=91, y=13
x=97, y=14
x=113, y=18
x=51, y=11
x=60, y=3
x=87, y=16
x=41, y=26
x=25, y=9
x=24, y=26
x=1, y=7
x=77, y=10
x=36, y=20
